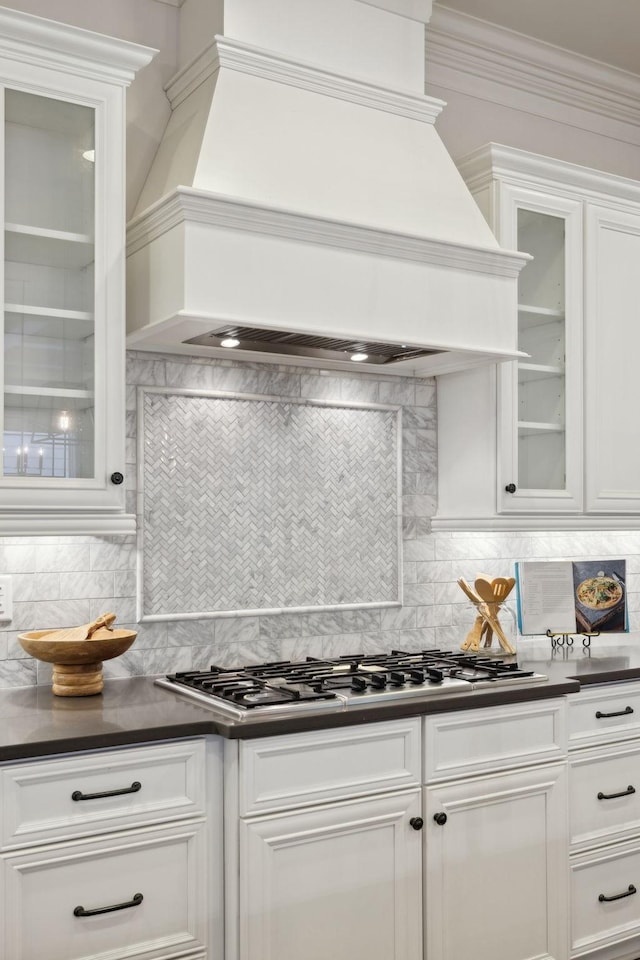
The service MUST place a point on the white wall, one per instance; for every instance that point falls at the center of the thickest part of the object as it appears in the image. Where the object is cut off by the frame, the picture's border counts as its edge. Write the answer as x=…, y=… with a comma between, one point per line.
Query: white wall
x=500, y=86
x=149, y=22
x=583, y=122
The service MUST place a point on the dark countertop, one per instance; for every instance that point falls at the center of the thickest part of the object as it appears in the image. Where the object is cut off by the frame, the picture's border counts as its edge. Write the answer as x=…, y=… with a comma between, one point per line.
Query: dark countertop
x=607, y=659
x=34, y=723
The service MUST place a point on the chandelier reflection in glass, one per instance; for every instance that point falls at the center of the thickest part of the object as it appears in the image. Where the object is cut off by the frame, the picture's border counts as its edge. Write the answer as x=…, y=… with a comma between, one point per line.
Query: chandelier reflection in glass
x=42, y=454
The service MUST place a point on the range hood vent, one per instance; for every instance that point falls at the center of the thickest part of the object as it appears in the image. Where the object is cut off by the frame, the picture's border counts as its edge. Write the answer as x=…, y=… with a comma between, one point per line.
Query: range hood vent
x=301, y=186
x=305, y=345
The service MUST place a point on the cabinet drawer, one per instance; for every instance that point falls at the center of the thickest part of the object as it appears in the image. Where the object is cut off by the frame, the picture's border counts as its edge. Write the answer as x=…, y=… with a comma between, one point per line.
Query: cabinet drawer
x=43, y=890
x=307, y=768
x=39, y=802
x=604, y=792
x=474, y=741
x=597, y=923
x=610, y=712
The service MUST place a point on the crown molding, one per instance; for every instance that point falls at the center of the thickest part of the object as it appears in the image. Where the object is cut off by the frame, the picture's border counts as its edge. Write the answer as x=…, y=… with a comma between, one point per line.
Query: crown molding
x=536, y=524
x=62, y=46
x=245, y=58
x=494, y=161
x=199, y=206
x=483, y=60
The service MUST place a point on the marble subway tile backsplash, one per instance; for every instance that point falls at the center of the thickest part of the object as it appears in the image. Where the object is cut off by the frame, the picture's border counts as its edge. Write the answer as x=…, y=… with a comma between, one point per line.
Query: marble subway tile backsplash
x=65, y=581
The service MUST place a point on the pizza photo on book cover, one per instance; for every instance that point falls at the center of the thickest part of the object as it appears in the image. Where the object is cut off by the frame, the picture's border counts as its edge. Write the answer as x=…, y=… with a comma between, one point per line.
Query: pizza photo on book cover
x=599, y=587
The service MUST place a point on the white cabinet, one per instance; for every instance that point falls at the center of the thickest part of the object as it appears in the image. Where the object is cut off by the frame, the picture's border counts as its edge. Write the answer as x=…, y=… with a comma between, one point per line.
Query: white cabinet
x=323, y=845
x=539, y=397
x=139, y=894
x=331, y=841
x=62, y=92
x=496, y=845
x=543, y=441
x=604, y=817
x=612, y=346
x=339, y=881
x=114, y=854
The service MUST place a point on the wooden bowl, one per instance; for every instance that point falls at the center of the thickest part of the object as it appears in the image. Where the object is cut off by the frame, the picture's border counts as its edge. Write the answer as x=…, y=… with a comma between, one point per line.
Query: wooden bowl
x=77, y=664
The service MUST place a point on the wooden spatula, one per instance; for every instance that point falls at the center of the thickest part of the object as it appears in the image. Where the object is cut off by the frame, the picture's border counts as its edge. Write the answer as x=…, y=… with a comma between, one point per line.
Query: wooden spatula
x=473, y=638
x=85, y=632
x=502, y=587
x=485, y=590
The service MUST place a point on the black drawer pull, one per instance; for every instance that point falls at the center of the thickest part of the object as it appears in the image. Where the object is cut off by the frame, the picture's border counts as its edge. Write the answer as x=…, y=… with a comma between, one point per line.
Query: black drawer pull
x=614, y=796
x=79, y=795
x=620, y=713
x=618, y=896
x=137, y=899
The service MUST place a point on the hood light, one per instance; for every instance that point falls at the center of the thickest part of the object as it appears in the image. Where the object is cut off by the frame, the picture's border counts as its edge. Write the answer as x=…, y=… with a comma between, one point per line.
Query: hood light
x=230, y=342
x=89, y=155
x=359, y=357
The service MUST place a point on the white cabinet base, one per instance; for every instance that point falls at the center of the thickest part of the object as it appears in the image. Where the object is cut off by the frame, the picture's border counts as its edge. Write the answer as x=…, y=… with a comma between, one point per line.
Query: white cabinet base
x=501, y=854
x=45, y=887
x=340, y=881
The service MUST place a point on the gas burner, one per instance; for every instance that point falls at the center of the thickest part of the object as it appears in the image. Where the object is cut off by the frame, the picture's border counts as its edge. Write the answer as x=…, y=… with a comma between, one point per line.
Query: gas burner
x=286, y=687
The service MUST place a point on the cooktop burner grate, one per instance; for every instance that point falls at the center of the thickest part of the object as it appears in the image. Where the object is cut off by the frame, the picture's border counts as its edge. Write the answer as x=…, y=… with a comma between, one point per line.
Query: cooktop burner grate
x=344, y=681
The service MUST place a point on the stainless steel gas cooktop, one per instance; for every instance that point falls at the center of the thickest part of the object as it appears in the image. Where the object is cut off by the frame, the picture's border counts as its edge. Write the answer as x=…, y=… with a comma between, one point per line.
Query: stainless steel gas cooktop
x=288, y=687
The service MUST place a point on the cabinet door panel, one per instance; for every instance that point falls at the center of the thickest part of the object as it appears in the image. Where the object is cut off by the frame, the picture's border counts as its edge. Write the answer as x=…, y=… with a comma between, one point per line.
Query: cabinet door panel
x=62, y=278
x=605, y=900
x=501, y=853
x=539, y=397
x=341, y=881
x=612, y=395
x=47, y=890
x=604, y=795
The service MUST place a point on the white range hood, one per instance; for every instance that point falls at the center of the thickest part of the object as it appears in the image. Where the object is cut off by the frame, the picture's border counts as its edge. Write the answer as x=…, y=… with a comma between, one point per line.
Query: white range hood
x=302, y=201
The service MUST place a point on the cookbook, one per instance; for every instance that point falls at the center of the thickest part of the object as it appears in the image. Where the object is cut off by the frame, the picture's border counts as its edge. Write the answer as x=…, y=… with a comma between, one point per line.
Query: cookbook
x=571, y=596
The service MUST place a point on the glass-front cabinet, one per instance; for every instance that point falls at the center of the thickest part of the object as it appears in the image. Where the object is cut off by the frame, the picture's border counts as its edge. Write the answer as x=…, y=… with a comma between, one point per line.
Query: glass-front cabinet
x=63, y=457
x=49, y=289
x=543, y=442
x=539, y=396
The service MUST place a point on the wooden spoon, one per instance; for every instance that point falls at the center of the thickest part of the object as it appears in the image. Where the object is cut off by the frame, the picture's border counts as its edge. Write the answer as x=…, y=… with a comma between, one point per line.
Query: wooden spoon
x=85, y=632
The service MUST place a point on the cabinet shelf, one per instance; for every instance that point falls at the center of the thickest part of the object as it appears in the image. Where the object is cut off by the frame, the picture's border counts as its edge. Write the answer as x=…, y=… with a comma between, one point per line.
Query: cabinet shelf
x=51, y=248
x=549, y=313
x=529, y=428
x=32, y=321
x=538, y=371
x=39, y=393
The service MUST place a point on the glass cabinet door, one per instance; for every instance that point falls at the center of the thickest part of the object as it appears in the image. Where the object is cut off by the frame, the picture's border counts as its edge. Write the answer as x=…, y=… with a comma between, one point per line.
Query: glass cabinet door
x=49, y=290
x=541, y=394
x=541, y=423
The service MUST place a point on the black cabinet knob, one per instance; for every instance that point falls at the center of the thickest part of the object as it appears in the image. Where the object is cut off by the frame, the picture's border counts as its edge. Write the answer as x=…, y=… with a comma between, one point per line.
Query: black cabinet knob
x=417, y=823
x=440, y=819
x=511, y=488
x=117, y=478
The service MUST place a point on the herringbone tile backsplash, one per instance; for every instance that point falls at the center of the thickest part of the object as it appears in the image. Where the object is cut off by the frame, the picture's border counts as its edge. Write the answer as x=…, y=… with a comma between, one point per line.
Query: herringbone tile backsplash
x=65, y=581
x=259, y=504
